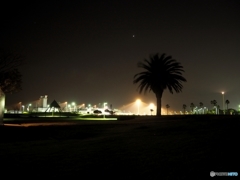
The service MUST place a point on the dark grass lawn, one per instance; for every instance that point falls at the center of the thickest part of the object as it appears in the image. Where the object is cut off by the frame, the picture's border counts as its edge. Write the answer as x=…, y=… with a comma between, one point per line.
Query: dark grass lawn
x=147, y=148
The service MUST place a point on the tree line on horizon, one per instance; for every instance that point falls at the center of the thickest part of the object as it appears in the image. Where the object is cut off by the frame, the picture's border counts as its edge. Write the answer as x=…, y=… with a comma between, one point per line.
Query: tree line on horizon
x=213, y=102
x=193, y=106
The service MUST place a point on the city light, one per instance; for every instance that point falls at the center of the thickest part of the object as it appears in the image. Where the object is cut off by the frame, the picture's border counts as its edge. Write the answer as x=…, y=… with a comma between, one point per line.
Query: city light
x=73, y=104
x=66, y=105
x=20, y=106
x=104, y=109
x=136, y=107
x=28, y=108
x=138, y=101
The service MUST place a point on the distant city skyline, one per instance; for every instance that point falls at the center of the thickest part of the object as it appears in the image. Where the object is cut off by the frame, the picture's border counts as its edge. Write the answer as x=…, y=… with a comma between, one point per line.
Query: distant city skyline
x=135, y=107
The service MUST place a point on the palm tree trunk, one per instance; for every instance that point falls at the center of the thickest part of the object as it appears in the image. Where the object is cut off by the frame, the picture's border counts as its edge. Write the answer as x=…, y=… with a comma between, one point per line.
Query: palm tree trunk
x=2, y=106
x=159, y=103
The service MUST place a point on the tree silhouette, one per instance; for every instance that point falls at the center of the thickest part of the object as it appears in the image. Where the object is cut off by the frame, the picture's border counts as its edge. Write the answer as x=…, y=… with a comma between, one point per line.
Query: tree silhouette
x=10, y=77
x=167, y=106
x=227, y=102
x=161, y=73
x=192, y=106
x=214, y=102
x=184, y=108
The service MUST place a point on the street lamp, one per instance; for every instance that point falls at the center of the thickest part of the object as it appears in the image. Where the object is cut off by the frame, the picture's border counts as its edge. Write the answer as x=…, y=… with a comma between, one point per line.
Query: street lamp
x=20, y=106
x=82, y=106
x=104, y=109
x=104, y=105
x=204, y=110
x=28, y=107
x=73, y=104
x=66, y=106
x=223, y=102
x=138, y=101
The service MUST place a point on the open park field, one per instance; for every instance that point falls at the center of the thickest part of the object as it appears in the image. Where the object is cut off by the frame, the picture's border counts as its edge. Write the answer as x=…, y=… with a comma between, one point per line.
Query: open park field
x=167, y=147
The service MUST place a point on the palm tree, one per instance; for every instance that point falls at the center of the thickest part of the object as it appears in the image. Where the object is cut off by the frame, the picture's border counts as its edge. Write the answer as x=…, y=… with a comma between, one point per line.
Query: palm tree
x=184, y=108
x=192, y=106
x=167, y=106
x=161, y=73
x=227, y=102
x=214, y=102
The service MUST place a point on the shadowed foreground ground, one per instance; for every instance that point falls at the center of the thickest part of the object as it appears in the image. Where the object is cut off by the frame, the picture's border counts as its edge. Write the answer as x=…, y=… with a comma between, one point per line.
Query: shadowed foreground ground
x=152, y=148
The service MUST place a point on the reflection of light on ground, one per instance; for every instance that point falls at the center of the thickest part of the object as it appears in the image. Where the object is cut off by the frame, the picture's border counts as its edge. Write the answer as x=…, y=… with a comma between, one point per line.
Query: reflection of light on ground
x=144, y=109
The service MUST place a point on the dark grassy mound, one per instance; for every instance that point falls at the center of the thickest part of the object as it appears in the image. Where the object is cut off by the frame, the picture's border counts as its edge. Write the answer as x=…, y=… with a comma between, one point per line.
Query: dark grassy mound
x=145, y=147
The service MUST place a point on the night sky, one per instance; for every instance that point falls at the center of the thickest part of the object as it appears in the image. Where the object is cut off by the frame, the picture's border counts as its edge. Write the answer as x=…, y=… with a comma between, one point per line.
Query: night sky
x=87, y=51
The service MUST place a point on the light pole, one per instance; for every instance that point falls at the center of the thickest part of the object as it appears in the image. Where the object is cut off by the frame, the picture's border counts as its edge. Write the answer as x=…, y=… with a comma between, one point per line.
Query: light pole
x=73, y=104
x=66, y=106
x=20, y=106
x=104, y=109
x=138, y=104
x=223, y=103
x=29, y=107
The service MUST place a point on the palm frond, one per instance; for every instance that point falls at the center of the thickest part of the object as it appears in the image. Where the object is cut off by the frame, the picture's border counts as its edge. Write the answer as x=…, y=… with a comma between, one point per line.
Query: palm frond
x=161, y=72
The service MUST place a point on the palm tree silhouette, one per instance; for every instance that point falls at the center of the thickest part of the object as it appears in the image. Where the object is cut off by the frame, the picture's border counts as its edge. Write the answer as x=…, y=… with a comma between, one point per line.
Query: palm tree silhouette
x=161, y=73
x=214, y=102
x=192, y=106
x=227, y=102
x=167, y=106
x=184, y=108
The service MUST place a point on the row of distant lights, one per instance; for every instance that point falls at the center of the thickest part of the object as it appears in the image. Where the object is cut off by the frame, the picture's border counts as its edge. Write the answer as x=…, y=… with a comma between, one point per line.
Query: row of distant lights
x=82, y=105
x=138, y=102
x=67, y=105
x=73, y=104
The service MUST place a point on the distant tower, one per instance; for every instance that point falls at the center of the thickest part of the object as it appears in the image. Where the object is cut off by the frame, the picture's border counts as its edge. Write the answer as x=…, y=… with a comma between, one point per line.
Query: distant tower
x=45, y=101
x=40, y=103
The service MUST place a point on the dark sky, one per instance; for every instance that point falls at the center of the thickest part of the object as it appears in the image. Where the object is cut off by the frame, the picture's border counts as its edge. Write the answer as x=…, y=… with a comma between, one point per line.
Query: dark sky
x=84, y=51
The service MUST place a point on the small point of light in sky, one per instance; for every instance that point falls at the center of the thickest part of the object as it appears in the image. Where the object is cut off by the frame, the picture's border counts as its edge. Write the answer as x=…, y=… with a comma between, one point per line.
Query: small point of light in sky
x=133, y=36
